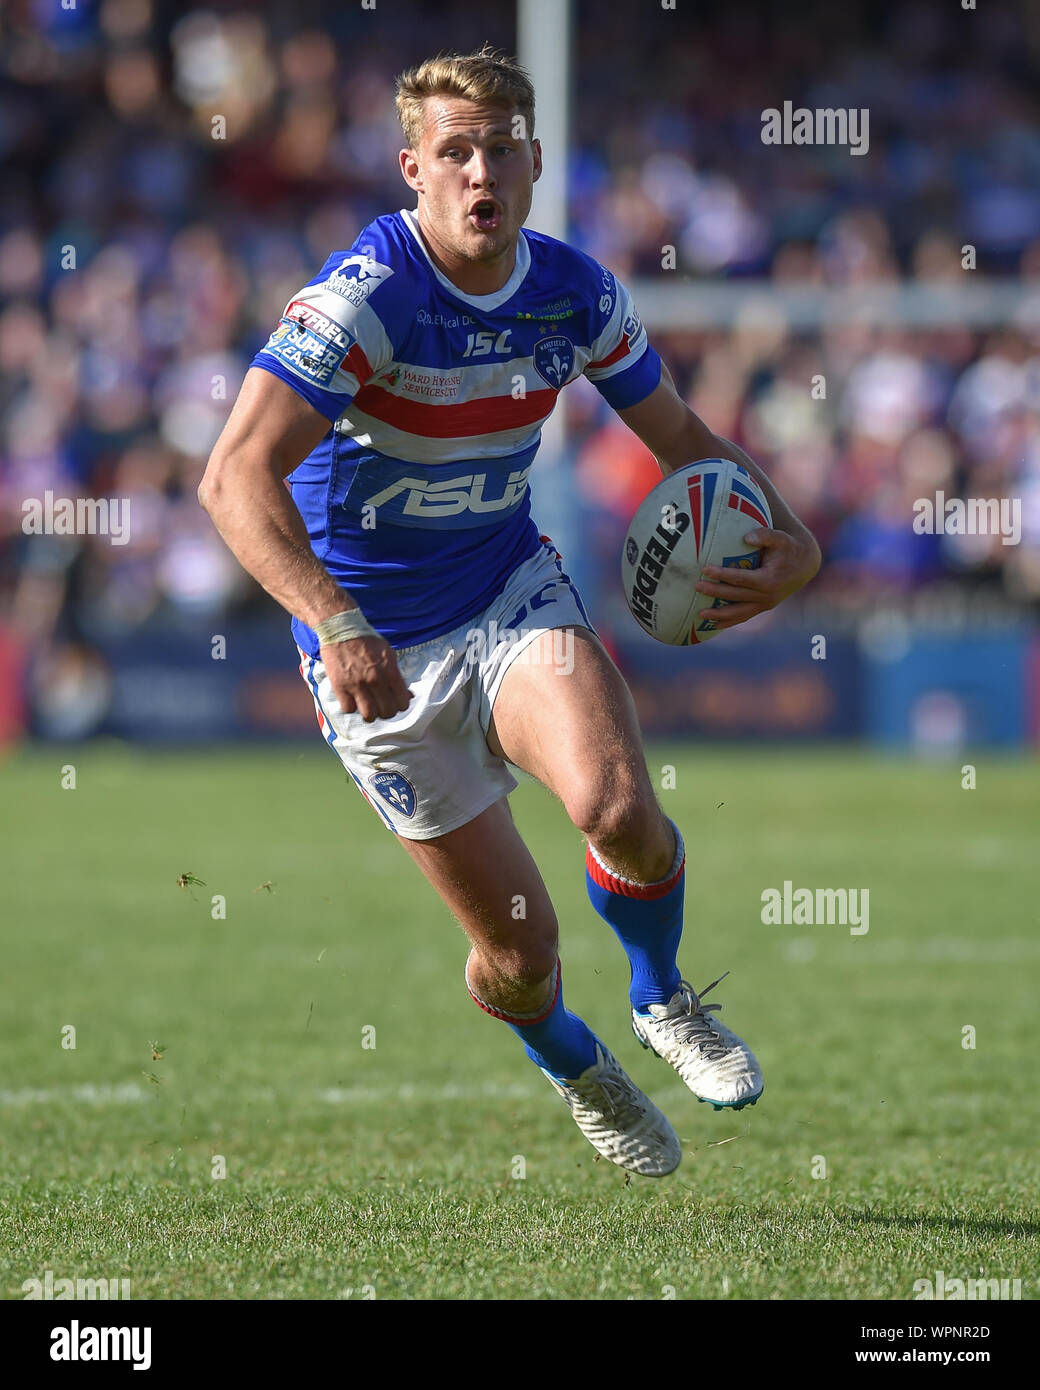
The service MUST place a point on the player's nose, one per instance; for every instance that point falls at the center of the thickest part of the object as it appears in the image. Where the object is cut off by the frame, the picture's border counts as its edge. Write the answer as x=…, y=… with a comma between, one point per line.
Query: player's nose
x=480, y=171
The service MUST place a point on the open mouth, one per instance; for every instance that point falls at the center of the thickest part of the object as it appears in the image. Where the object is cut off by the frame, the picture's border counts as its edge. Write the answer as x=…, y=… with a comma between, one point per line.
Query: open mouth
x=485, y=215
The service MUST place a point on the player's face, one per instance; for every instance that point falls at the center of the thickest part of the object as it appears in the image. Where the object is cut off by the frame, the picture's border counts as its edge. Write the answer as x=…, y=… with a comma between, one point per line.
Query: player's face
x=474, y=171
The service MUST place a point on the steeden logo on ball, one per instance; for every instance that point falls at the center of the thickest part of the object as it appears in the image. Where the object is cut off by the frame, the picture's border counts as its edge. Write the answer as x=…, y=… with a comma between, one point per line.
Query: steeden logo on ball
x=694, y=517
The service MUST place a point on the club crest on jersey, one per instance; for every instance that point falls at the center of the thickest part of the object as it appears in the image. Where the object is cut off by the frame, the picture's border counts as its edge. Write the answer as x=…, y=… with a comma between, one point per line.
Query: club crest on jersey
x=356, y=277
x=396, y=791
x=553, y=359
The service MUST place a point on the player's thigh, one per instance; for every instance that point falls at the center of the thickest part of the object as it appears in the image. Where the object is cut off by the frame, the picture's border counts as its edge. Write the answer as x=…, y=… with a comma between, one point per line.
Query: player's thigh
x=485, y=874
x=573, y=725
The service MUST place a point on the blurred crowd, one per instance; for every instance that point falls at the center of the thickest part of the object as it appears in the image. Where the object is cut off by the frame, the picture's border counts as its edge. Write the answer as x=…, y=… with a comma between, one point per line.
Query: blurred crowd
x=906, y=415
x=171, y=173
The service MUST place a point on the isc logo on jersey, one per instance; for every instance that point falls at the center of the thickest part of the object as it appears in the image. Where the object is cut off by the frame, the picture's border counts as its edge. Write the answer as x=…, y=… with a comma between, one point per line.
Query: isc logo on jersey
x=356, y=277
x=451, y=496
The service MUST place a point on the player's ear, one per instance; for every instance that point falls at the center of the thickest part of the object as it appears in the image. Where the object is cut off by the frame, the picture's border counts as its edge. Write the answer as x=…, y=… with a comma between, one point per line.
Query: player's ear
x=410, y=170
x=536, y=154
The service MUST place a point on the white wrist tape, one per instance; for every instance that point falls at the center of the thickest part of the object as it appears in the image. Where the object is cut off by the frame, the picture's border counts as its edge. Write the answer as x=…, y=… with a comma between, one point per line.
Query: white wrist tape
x=341, y=627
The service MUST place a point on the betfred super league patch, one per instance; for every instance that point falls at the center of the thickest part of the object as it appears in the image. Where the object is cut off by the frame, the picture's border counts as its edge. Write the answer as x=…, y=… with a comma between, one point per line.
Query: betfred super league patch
x=309, y=343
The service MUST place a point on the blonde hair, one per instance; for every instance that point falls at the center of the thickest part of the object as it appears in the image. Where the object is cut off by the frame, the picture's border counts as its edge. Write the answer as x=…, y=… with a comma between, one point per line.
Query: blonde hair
x=489, y=75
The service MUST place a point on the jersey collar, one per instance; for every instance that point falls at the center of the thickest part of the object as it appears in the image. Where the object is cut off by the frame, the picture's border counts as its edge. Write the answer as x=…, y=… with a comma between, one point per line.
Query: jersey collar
x=477, y=301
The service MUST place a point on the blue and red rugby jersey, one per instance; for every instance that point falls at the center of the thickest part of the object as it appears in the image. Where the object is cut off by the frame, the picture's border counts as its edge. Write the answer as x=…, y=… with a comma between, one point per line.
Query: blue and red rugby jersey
x=416, y=501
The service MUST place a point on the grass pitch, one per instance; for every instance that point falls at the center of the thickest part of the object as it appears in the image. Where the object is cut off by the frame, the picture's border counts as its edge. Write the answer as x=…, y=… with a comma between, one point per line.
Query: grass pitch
x=438, y=1163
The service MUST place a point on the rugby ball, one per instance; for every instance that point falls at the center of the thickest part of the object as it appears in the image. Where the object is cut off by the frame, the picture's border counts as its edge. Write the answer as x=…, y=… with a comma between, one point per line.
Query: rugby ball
x=694, y=517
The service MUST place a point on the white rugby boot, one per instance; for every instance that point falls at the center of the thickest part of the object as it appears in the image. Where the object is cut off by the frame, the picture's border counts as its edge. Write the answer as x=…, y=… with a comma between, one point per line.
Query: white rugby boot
x=618, y=1120
x=716, y=1065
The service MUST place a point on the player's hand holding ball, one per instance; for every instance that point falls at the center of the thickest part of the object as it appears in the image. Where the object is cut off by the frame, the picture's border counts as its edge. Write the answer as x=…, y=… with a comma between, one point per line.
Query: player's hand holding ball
x=702, y=554
x=784, y=567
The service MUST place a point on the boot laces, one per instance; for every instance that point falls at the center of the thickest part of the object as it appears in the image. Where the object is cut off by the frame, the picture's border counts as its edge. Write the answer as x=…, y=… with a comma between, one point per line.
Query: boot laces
x=612, y=1097
x=696, y=1026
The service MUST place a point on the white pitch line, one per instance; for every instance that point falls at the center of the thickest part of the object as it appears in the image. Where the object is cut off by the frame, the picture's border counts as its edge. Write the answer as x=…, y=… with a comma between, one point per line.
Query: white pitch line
x=129, y=1093
x=802, y=950
x=487, y=1090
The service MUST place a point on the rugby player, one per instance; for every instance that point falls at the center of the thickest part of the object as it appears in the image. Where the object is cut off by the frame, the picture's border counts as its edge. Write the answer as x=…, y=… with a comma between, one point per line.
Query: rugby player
x=402, y=396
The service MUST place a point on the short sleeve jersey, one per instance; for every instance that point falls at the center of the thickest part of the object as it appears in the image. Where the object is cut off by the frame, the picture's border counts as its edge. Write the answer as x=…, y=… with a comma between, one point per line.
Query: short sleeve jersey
x=417, y=500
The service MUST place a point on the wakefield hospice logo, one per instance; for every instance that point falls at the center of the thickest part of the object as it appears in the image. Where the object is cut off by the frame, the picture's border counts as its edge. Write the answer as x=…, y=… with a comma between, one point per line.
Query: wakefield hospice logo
x=821, y=126
x=77, y=516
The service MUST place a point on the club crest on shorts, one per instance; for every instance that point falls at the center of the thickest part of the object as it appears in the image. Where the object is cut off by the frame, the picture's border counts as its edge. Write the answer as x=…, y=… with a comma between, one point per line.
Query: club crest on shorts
x=553, y=359
x=396, y=791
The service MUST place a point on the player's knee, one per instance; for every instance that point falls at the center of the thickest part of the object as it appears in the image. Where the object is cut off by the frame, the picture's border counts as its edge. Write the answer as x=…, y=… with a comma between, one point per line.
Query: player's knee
x=528, y=964
x=614, y=814
x=524, y=962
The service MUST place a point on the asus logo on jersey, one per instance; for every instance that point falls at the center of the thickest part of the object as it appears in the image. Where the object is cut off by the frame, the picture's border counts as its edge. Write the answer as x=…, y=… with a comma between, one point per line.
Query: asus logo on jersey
x=451, y=496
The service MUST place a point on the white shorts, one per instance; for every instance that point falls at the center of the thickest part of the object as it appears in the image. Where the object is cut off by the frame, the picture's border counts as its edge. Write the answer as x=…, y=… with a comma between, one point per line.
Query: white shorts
x=429, y=769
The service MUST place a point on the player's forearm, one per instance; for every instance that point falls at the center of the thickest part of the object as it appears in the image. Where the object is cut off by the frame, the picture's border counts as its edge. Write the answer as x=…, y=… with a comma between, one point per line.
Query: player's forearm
x=256, y=516
x=784, y=518
x=698, y=442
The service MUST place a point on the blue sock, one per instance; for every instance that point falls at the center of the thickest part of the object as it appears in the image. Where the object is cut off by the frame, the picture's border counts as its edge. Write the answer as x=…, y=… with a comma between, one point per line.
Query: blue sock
x=555, y=1039
x=648, y=920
